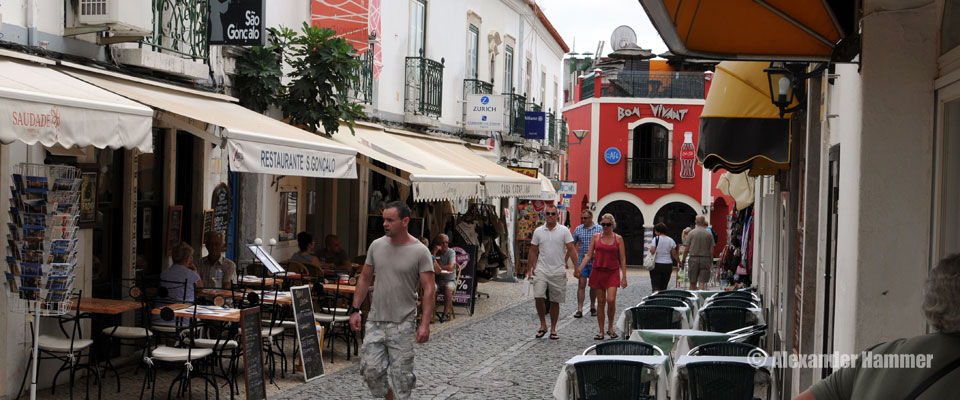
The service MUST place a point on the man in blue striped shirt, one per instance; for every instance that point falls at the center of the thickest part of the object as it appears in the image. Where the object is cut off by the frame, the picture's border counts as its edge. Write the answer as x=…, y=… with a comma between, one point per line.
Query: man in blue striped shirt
x=582, y=236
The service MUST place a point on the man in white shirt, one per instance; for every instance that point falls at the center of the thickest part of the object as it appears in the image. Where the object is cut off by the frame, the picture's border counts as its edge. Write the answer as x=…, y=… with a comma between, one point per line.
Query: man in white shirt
x=551, y=245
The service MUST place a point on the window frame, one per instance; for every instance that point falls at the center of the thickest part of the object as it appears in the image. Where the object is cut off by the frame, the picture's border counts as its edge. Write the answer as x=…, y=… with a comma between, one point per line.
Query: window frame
x=473, y=55
x=508, y=57
x=417, y=32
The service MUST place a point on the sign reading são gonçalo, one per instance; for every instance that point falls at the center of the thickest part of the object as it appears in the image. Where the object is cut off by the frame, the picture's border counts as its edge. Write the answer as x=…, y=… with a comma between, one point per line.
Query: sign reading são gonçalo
x=237, y=22
x=281, y=160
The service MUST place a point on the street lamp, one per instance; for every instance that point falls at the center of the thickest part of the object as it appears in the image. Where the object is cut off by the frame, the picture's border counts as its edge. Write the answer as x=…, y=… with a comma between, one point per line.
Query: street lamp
x=579, y=134
x=786, y=82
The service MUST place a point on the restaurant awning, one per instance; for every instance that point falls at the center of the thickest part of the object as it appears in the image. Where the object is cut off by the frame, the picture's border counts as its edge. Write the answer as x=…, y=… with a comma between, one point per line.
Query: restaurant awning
x=740, y=128
x=431, y=176
x=546, y=191
x=753, y=29
x=497, y=180
x=255, y=142
x=41, y=105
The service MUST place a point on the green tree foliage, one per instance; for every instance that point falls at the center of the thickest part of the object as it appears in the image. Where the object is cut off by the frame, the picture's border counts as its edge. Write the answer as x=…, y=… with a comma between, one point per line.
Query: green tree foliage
x=322, y=68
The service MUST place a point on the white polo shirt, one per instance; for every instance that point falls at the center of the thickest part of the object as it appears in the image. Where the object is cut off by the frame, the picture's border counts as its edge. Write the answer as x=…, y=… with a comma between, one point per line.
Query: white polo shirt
x=552, y=245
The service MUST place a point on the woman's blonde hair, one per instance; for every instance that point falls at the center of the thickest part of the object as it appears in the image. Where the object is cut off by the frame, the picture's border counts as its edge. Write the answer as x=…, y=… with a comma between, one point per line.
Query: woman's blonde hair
x=610, y=217
x=181, y=253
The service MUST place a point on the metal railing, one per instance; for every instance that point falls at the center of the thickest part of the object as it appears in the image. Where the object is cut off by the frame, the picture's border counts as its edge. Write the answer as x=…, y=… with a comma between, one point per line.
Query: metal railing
x=684, y=85
x=474, y=86
x=361, y=90
x=650, y=170
x=586, y=89
x=551, y=129
x=180, y=27
x=423, y=87
x=564, y=134
x=514, y=107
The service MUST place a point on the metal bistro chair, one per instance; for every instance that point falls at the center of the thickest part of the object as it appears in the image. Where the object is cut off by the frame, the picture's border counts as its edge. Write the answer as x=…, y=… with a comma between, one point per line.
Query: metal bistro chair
x=653, y=317
x=222, y=338
x=723, y=319
x=334, y=317
x=752, y=338
x=688, y=301
x=614, y=379
x=271, y=316
x=138, y=337
x=663, y=302
x=736, y=294
x=185, y=352
x=725, y=302
x=727, y=349
x=718, y=380
x=624, y=348
x=677, y=292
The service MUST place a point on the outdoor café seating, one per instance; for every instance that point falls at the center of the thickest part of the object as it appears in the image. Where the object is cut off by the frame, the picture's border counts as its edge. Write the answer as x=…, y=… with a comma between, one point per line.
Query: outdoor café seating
x=732, y=302
x=723, y=319
x=663, y=302
x=654, y=317
x=613, y=379
x=717, y=380
x=624, y=348
x=729, y=349
x=184, y=353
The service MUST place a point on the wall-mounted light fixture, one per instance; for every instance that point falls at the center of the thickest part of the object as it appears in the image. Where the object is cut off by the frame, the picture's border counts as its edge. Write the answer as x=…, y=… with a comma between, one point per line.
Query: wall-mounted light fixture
x=579, y=134
x=787, y=81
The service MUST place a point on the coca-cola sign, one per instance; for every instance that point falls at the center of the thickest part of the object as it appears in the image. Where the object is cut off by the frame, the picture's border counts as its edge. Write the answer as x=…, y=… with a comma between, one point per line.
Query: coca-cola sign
x=37, y=121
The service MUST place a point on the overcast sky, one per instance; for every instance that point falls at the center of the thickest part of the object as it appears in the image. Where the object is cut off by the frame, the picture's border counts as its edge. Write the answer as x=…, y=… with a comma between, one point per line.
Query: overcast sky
x=586, y=22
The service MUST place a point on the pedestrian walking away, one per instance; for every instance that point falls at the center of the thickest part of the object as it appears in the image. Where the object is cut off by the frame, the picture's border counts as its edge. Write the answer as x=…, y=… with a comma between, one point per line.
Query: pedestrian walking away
x=698, y=257
x=609, y=272
x=665, y=251
x=550, y=246
x=582, y=235
x=401, y=261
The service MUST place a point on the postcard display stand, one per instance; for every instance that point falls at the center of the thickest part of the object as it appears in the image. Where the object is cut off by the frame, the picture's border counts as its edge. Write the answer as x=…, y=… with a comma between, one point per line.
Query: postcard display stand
x=42, y=243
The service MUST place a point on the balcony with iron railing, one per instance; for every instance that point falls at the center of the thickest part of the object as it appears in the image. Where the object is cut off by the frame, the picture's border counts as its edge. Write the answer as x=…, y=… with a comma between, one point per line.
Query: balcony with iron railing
x=361, y=90
x=423, y=87
x=682, y=85
x=551, y=129
x=180, y=27
x=474, y=86
x=586, y=86
x=649, y=171
x=514, y=107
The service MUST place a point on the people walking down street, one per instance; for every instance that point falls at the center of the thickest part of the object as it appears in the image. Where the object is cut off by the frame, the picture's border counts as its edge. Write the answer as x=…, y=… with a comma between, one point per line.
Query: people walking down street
x=550, y=246
x=906, y=368
x=216, y=270
x=664, y=248
x=443, y=266
x=582, y=235
x=698, y=255
x=401, y=263
x=609, y=272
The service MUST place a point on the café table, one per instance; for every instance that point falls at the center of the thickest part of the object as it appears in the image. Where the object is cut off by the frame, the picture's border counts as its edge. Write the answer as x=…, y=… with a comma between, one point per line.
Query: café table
x=625, y=321
x=251, y=280
x=105, y=306
x=213, y=313
x=765, y=384
x=677, y=342
x=566, y=386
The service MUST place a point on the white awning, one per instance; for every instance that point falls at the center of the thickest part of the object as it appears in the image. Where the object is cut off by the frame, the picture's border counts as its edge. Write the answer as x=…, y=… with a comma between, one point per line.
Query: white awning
x=546, y=191
x=41, y=105
x=497, y=180
x=255, y=142
x=430, y=175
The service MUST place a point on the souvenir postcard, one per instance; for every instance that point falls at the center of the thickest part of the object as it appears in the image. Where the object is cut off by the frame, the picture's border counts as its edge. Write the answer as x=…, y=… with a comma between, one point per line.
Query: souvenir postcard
x=64, y=233
x=61, y=246
x=18, y=182
x=36, y=184
x=66, y=184
x=12, y=265
x=31, y=269
x=12, y=282
x=61, y=269
x=34, y=220
x=34, y=205
x=57, y=295
x=29, y=293
x=31, y=244
x=57, y=282
x=30, y=281
x=66, y=208
x=31, y=257
x=62, y=196
x=56, y=258
x=15, y=216
x=34, y=232
x=14, y=232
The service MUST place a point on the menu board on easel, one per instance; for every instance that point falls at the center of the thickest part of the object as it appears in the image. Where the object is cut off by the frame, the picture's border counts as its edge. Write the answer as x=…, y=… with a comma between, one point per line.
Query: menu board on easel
x=174, y=222
x=250, y=336
x=221, y=209
x=307, y=333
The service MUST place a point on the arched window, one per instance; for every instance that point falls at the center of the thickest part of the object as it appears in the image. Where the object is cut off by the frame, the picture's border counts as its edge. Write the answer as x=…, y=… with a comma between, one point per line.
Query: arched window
x=650, y=163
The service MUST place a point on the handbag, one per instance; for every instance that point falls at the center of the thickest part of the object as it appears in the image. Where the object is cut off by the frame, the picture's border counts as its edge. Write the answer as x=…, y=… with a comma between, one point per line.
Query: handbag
x=649, y=260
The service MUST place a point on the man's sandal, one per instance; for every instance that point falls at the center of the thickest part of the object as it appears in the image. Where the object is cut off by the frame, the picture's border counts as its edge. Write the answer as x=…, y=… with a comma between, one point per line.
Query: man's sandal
x=554, y=336
x=599, y=336
x=612, y=334
x=578, y=314
x=540, y=333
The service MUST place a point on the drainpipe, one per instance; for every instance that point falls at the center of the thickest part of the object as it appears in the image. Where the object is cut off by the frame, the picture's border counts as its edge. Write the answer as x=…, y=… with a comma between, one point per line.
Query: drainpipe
x=31, y=22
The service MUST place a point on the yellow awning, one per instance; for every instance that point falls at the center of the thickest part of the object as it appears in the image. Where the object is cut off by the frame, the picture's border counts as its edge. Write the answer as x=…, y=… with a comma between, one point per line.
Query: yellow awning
x=752, y=29
x=740, y=128
x=431, y=176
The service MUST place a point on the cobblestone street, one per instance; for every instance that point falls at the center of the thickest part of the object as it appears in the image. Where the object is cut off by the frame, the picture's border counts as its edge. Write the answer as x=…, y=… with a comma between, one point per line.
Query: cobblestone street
x=492, y=357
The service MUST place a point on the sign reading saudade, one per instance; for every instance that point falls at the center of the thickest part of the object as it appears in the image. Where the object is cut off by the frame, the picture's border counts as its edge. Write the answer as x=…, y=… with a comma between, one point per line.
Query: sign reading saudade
x=237, y=22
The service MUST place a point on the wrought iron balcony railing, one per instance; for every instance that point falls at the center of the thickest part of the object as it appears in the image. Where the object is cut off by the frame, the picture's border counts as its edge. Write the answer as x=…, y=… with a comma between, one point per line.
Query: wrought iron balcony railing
x=180, y=27
x=424, y=86
x=684, y=85
x=514, y=108
x=361, y=90
x=650, y=170
x=586, y=89
x=551, y=129
x=474, y=86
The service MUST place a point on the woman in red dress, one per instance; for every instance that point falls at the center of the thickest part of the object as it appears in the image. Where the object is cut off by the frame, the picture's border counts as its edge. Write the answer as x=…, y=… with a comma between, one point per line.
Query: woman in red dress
x=609, y=272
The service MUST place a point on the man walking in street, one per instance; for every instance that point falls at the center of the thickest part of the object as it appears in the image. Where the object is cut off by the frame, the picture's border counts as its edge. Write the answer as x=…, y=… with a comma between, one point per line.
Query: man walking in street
x=401, y=262
x=549, y=248
x=581, y=237
x=698, y=257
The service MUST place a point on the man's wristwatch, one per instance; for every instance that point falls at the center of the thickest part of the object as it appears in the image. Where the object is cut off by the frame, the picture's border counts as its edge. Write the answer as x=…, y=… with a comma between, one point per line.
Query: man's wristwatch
x=352, y=310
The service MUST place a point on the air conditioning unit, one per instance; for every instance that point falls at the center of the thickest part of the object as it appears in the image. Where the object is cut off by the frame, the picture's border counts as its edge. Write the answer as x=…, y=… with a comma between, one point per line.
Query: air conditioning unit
x=122, y=17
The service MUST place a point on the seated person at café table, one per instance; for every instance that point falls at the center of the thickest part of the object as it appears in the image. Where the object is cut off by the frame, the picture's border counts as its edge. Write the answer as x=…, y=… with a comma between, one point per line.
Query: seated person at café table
x=305, y=255
x=182, y=270
x=215, y=269
x=333, y=253
x=443, y=259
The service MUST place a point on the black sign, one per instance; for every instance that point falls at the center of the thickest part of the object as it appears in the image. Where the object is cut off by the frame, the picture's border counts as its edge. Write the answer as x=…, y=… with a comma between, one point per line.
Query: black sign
x=253, y=355
x=237, y=22
x=307, y=333
x=467, y=285
x=174, y=222
x=221, y=209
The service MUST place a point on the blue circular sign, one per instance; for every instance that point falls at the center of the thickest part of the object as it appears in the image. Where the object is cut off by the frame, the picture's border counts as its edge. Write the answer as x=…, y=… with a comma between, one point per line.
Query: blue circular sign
x=484, y=100
x=612, y=155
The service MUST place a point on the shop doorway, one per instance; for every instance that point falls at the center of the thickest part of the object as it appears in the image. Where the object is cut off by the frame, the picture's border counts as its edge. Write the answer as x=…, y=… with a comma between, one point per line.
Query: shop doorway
x=108, y=224
x=676, y=216
x=629, y=225
x=150, y=210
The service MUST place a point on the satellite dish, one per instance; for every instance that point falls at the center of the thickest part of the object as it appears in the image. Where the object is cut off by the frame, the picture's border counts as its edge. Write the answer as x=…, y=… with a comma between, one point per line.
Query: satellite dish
x=622, y=36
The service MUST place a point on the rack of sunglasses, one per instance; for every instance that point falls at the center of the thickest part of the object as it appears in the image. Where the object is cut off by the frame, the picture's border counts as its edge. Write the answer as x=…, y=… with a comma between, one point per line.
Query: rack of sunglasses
x=42, y=240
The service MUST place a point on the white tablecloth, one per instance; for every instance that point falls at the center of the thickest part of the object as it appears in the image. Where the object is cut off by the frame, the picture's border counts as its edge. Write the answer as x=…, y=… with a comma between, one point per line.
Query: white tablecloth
x=625, y=320
x=566, y=382
x=676, y=342
x=756, y=313
x=764, y=381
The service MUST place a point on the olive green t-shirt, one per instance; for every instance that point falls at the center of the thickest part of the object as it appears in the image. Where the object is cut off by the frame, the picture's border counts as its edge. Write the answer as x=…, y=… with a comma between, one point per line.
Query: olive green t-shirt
x=896, y=383
x=398, y=269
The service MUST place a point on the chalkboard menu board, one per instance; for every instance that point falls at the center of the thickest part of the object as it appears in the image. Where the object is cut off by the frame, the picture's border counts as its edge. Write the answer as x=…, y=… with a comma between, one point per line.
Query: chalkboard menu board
x=466, y=260
x=307, y=333
x=251, y=339
x=221, y=209
x=174, y=222
x=207, y=223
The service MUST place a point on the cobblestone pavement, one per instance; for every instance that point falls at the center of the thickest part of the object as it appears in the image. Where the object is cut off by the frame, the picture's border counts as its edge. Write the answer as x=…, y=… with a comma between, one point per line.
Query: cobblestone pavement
x=492, y=357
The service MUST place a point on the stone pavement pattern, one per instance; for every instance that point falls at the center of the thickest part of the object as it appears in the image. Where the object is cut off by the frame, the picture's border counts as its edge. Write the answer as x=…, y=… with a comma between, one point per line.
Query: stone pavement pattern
x=492, y=357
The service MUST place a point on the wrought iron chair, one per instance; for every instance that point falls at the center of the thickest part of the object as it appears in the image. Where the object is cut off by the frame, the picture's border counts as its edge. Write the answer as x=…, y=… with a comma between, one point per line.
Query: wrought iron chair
x=653, y=317
x=729, y=349
x=752, y=337
x=687, y=300
x=717, y=380
x=723, y=319
x=624, y=348
x=663, y=302
x=725, y=302
x=736, y=294
x=335, y=320
x=614, y=379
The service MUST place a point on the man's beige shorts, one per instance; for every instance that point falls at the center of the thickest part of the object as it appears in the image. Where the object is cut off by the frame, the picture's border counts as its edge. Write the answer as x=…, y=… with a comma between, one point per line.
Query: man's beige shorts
x=556, y=284
x=699, y=268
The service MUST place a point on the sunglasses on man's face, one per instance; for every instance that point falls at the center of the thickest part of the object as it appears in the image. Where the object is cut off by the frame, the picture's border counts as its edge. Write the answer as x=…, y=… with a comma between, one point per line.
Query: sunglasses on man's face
x=549, y=213
x=606, y=224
